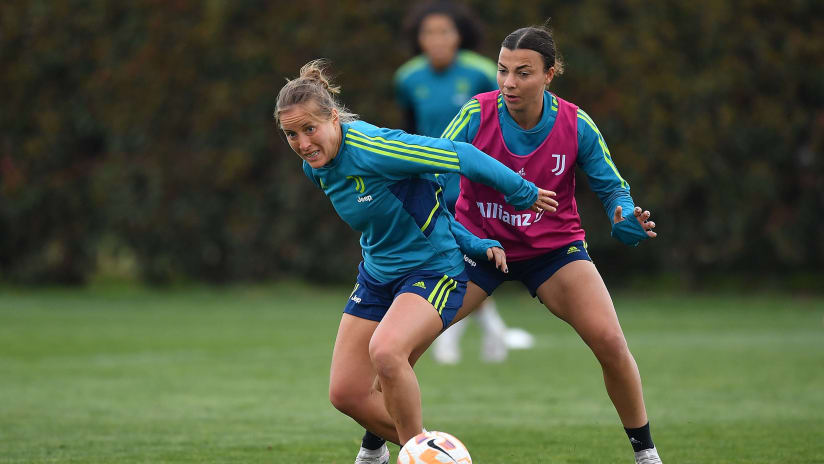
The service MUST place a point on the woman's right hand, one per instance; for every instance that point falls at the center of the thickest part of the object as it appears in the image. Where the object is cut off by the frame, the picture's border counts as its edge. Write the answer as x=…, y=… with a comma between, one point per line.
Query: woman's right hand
x=545, y=202
x=498, y=256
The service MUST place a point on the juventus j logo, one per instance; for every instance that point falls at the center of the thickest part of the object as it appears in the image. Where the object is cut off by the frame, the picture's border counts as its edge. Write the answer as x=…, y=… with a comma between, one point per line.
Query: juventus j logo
x=560, y=164
x=359, y=185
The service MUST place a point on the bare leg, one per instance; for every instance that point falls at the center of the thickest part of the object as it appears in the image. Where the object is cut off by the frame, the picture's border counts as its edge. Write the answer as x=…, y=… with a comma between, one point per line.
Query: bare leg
x=577, y=294
x=380, y=422
x=473, y=298
x=410, y=322
x=351, y=378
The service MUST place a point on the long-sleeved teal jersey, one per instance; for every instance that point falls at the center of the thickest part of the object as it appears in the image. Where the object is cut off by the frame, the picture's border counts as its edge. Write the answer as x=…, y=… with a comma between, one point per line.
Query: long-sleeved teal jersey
x=434, y=96
x=382, y=183
x=594, y=157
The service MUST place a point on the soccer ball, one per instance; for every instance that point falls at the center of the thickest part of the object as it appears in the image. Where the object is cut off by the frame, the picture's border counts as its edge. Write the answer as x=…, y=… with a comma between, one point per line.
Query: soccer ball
x=434, y=448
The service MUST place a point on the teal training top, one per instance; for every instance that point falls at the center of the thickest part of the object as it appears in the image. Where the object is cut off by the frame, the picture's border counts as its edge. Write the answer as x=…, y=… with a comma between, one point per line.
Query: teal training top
x=435, y=96
x=382, y=183
x=593, y=155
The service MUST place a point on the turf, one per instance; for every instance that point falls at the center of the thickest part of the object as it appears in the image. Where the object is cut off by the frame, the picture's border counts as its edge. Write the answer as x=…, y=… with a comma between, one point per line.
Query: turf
x=127, y=375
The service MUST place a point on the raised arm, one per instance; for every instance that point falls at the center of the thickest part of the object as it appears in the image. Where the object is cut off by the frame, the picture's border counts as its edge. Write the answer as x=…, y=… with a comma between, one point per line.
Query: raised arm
x=479, y=167
x=395, y=152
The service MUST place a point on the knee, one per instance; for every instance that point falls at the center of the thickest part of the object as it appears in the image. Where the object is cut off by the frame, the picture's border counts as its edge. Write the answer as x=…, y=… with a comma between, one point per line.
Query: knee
x=387, y=359
x=611, y=349
x=345, y=398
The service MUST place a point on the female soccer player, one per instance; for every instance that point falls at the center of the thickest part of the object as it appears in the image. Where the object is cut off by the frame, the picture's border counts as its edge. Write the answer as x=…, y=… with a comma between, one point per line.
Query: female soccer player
x=411, y=280
x=542, y=137
x=446, y=72
x=431, y=88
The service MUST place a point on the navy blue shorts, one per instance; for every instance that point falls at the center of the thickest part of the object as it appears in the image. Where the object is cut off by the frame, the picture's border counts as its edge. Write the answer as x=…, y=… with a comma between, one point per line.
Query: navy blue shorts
x=371, y=299
x=531, y=272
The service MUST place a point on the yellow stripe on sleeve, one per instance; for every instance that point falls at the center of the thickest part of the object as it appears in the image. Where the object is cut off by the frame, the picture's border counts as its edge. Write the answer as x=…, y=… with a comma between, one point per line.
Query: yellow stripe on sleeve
x=403, y=157
x=424, y=154
x=449, y=132
x=378, y=140
x=467, y=106
x=607, y=156
x=450, y=159
x=451, y=124
x=463, y=124
x=585, y=117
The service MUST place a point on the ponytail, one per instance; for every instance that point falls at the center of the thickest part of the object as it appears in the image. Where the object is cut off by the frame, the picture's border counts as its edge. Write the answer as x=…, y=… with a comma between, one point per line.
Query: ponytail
x=313, y=85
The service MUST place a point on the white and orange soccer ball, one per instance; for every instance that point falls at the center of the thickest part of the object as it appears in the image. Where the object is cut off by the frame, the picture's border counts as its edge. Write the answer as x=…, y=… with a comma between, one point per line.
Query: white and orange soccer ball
x=434, y=448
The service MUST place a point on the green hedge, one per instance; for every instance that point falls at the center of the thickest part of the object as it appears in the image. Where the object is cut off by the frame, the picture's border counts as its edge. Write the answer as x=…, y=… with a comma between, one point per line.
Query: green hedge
x=148, y=125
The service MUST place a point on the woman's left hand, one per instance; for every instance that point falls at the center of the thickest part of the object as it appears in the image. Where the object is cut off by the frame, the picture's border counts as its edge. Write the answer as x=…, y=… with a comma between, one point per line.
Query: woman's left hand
x=641, y=216
x=545, y=202
x=498, y=255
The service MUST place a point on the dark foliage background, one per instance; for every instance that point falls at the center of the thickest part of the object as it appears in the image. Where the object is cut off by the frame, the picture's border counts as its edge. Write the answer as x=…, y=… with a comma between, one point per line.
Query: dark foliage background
x=141, y=132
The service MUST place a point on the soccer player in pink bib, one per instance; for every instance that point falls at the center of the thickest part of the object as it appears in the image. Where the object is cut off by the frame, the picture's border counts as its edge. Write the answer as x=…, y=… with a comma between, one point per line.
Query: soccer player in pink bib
x=543, y=138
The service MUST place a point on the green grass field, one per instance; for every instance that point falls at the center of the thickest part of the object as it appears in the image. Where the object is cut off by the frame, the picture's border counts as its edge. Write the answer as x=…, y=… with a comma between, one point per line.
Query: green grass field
x=124, y=375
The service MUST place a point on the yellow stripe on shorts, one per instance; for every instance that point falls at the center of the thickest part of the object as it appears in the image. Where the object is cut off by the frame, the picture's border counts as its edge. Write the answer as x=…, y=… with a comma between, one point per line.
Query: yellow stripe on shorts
x=435, y=290
x=446, y=295
x=447, y=284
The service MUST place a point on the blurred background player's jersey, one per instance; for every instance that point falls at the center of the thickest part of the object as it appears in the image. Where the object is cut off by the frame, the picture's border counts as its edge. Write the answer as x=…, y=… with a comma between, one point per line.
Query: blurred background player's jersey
x=433, y=97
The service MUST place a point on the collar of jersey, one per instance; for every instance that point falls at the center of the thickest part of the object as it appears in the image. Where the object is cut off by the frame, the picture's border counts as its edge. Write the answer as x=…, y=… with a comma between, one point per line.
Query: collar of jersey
x=445, y=70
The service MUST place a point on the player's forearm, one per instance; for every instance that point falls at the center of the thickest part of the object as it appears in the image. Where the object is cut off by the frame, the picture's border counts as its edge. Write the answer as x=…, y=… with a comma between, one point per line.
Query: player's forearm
x=479, y=167
x=470, y=244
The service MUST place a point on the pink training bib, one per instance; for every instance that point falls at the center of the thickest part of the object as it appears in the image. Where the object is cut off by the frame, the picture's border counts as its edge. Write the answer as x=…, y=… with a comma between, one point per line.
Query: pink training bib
x=525, y=234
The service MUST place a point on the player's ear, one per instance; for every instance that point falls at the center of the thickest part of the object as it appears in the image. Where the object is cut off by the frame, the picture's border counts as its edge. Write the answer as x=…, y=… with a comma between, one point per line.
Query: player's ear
x=548, y=76
x=335, y=117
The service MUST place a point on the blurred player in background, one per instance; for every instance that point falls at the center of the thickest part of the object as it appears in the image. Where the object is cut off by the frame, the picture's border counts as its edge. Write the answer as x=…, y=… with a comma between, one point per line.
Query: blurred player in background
x=411, y=281
x=544, y=138
x=431, y=88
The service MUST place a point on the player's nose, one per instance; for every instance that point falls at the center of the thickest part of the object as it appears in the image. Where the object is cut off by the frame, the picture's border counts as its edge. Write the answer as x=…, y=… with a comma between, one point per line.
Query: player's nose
x=304, y=143
x=509, y=82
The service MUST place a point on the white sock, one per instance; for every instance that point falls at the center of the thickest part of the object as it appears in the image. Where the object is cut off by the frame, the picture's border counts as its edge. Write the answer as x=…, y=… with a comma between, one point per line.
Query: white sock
x=451, y=337
x=489, y=318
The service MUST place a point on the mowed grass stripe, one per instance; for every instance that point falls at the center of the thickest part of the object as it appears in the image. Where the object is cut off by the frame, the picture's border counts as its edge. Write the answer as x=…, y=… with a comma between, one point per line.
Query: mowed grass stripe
x=241, y=375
